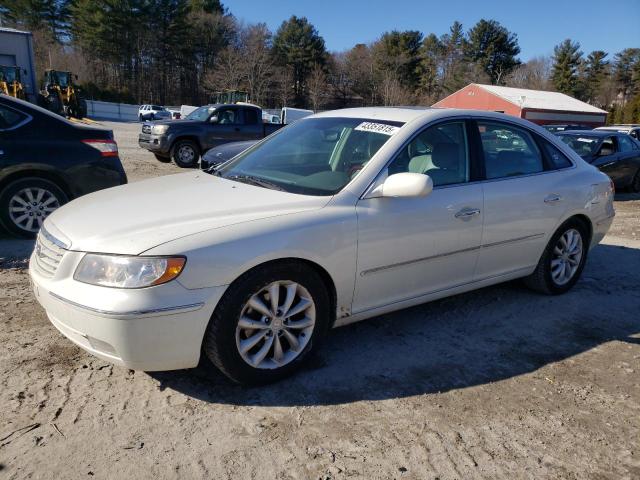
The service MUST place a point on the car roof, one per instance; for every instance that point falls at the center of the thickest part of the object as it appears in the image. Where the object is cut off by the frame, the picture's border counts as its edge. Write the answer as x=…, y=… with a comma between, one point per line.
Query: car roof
x=617, y=128
x=589, y=133
x=408, y=114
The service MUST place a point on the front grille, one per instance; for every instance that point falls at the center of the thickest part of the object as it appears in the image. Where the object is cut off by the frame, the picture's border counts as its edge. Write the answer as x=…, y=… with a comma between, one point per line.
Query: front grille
x=146, y=128
x=48, y=253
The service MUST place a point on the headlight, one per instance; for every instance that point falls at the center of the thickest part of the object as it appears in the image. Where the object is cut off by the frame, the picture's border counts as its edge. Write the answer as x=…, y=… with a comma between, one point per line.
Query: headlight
x=159, y=129
x=127, y=272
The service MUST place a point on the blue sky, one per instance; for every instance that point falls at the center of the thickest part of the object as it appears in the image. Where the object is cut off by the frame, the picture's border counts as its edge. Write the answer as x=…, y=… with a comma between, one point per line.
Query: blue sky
x=540, y=24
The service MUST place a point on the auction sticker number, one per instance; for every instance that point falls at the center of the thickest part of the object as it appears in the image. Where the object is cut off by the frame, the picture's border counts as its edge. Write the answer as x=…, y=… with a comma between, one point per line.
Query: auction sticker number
x=377, y=128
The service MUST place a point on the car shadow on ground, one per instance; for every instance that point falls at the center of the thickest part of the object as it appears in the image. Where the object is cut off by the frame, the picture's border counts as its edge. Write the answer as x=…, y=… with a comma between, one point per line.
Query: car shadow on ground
x=471, y=339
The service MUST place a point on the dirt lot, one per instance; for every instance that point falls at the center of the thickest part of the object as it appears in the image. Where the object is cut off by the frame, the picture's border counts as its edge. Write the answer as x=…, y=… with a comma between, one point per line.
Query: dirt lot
x=498, y=383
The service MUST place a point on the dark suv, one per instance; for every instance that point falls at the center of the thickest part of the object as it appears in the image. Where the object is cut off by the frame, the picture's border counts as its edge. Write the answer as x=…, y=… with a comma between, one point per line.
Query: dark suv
x=45, y=161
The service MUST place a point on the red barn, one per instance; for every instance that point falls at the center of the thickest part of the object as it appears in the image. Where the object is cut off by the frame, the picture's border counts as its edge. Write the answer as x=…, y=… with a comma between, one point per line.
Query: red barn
x=537, y=106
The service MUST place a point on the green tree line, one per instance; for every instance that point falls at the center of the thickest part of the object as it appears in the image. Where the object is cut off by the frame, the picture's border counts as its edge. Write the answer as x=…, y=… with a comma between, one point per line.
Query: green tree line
x=181, y=51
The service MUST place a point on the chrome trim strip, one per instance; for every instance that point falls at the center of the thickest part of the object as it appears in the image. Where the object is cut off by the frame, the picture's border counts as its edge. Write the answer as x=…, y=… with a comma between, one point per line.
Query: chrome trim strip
x=435, y=292
x=52, y=239
x=192, y=306
x=448, y=254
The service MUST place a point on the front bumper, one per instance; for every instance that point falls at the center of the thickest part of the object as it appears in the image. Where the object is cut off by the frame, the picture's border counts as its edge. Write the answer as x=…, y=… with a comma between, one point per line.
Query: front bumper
x=156, y=328
x=154, y=143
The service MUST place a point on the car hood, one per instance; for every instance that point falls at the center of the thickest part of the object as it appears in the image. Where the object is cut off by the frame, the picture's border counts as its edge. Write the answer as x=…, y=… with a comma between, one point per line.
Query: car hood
x=173, y=122
x=133, y=218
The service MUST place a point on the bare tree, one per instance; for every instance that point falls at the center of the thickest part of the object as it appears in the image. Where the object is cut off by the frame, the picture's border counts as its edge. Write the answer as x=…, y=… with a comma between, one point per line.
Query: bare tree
x=257, y=61
x=317, y=87
x=534, y=74
x=391, y=91
x=228, y=72
x=283, y=85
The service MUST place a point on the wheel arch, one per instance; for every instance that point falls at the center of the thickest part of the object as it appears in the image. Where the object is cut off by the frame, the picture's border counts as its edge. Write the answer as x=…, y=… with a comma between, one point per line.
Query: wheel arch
x=586, y=221
x=180, y=138
x=326, y=277
x=52, y=176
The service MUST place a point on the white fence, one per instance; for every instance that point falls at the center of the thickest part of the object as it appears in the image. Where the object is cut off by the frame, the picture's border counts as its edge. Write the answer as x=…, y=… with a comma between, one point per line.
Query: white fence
x=112, y=111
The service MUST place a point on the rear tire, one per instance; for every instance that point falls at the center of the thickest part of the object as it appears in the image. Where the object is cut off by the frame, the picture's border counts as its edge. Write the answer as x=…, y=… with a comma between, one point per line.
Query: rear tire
x=562, y=261
x=226, y=337
x=26, y=202
x=185, y=153
x=635, y=183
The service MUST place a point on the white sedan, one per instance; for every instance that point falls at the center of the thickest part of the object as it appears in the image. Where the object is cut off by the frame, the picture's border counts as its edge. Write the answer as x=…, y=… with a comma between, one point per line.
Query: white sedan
x=338, y=217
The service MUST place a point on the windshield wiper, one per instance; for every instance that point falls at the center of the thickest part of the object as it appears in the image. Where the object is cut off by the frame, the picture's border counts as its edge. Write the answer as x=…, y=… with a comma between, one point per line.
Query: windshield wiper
x=259, y=182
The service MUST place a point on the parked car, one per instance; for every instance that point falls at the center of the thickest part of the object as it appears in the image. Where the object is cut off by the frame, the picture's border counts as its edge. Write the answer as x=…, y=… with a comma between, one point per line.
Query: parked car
x=616, y=154
x=218, y=155
x=339, y=217
x=564, y=127
x=46, y=161
x=153, y=112
x=184, y=141
x=628, y=129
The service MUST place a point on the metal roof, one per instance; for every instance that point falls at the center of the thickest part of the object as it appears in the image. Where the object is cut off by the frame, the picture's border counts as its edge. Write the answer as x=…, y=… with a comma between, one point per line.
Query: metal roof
x=13, y=30
x=540, y=99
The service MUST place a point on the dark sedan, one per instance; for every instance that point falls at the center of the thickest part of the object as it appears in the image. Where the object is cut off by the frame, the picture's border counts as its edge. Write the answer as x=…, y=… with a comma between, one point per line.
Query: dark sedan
x=218, y=155
x=46, y=161
x=616, y=154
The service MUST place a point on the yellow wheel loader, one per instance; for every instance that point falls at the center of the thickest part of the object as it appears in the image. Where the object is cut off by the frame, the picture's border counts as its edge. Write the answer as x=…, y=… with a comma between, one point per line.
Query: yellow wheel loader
x=10, y=83
x=60, y=95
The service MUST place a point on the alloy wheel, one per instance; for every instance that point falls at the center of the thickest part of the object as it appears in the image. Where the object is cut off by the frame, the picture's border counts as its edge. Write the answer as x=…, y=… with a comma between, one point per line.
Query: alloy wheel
x=275, y=325
x=30, y=206
x=566, y=257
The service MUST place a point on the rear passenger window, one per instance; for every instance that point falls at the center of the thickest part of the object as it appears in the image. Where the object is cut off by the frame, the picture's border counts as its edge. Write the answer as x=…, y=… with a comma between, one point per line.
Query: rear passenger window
x=10, y=118
x=250, y=117
x=625, y=143
x=557, y=159
x=508, y=151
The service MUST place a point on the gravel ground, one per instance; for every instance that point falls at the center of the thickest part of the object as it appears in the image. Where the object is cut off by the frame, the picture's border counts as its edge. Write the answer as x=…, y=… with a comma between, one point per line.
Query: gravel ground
x=497, y=383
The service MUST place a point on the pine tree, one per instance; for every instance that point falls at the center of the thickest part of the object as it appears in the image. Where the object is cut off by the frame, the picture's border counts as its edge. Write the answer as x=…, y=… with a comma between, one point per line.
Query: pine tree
x=493, y=48
x=564, y=73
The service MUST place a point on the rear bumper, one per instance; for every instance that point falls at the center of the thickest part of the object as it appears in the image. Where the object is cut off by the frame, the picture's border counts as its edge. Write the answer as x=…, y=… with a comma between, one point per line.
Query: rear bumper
x=151, y=329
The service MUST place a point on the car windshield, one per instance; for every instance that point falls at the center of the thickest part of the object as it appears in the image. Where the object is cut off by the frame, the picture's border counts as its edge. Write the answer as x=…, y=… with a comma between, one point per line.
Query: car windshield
x=200, y=114
x=315, y=156
x=583, y=145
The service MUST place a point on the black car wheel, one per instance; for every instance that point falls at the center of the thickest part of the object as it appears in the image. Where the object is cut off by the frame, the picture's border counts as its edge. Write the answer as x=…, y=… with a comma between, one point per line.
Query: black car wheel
x=25, y=203
x=185, y=153
x=267, y=323
x=635, y=183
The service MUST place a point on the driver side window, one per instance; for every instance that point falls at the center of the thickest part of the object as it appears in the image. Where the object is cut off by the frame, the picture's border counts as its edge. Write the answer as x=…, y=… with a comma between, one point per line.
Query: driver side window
x=440, y=151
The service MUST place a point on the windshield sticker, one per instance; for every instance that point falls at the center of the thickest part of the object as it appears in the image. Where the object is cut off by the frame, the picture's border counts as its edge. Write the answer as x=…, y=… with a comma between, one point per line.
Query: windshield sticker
x=588, y=140
x=377, y=128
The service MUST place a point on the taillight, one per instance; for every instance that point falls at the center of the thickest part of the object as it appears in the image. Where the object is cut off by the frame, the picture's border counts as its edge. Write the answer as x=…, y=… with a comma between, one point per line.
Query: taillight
x=107, y=148
x=613, y=187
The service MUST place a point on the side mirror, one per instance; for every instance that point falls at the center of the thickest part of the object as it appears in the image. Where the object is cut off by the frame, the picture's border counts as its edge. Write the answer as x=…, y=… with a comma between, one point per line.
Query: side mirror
x=213, y=119
x=404, y=185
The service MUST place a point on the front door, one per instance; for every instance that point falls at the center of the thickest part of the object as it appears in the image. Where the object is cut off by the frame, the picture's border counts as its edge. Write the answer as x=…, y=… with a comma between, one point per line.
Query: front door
x=409, y=247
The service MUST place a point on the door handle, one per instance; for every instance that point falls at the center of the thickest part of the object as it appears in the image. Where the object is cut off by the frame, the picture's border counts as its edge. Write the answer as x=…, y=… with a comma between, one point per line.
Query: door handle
x=552, y=198
x=467, y=213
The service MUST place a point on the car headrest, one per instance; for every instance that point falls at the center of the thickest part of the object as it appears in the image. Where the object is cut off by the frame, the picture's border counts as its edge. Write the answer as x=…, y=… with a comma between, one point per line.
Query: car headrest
x=446, y=155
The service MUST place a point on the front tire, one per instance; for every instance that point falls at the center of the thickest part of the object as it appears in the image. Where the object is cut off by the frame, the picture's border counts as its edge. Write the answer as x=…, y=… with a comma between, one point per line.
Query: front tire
x=268, y=322
x=185, y=153
x=25, y=203
x=562, y=261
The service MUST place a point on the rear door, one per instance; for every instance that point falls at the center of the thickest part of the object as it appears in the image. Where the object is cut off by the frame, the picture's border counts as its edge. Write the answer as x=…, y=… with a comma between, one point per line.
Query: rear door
x=524, y=197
